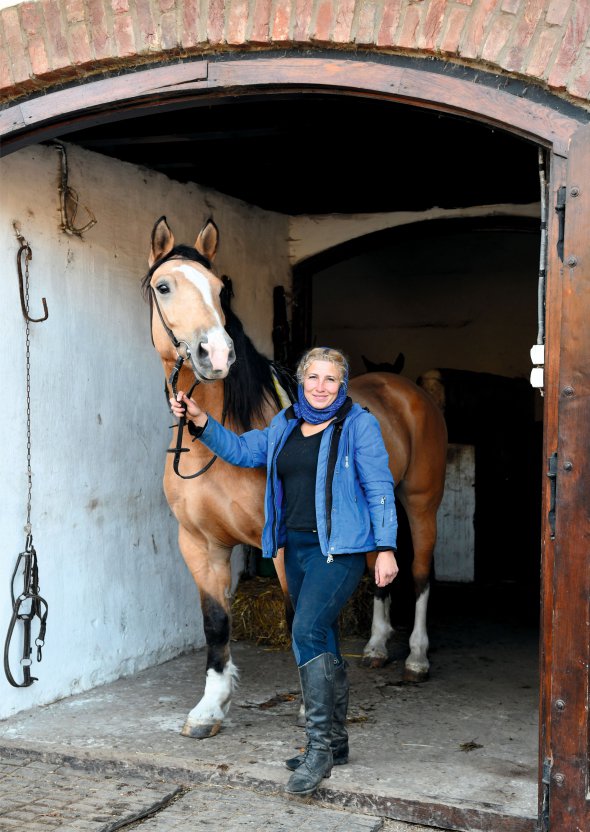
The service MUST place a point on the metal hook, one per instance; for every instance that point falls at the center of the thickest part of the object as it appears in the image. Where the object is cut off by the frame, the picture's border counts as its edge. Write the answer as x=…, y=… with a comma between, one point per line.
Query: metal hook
x=25, y=249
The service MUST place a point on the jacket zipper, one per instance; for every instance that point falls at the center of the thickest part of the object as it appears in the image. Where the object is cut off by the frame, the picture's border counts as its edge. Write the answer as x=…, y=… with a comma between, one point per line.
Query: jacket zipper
x=329, y=480
x=272, y=496
x=383, y=517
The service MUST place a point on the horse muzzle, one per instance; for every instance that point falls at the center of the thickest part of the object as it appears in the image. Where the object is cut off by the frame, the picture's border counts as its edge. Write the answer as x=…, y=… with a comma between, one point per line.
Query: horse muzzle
x=213, y=355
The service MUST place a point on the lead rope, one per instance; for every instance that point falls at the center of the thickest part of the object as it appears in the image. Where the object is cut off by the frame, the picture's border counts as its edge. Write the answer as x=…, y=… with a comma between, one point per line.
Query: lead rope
x=29, y=604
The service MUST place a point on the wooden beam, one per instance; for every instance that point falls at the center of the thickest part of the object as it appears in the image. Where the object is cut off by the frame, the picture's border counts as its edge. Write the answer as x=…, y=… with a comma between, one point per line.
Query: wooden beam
x=198, y=82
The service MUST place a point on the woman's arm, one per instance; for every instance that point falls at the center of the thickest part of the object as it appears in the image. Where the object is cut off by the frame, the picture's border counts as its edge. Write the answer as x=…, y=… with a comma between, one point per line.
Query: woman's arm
x=249, y=450
x=372, y=466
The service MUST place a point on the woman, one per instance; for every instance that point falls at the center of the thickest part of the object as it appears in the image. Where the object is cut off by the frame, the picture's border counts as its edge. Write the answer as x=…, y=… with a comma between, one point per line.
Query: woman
x=329, y=500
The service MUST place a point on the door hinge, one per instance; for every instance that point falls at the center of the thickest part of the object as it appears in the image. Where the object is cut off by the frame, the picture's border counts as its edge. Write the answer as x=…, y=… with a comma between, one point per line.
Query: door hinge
x=546, y=782
x=552, y=474
x=560, y=210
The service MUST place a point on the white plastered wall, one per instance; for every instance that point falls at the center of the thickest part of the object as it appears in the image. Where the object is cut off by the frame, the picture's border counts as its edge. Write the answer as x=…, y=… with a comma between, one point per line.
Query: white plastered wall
x=120, y=597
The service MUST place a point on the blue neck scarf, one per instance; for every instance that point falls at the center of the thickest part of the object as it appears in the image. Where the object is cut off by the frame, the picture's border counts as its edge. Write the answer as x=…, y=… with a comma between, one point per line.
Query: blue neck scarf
x=314, y=415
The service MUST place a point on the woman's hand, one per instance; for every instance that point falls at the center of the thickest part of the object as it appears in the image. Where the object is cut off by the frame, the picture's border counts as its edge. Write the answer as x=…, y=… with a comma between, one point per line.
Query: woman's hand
x=193, y=412
x=386, y=568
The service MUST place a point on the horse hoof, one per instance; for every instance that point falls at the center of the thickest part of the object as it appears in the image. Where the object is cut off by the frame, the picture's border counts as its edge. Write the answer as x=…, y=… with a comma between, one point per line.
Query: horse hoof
x=415, y=677
x=373, y=662
x=201, y=732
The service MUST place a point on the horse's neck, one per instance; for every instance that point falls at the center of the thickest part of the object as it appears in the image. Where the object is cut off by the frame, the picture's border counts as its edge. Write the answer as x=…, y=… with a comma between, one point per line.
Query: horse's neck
x=208, y=395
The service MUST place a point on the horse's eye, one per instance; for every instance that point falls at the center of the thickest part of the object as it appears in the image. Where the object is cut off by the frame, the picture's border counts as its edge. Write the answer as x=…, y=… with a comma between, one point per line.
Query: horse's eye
x=163, y=288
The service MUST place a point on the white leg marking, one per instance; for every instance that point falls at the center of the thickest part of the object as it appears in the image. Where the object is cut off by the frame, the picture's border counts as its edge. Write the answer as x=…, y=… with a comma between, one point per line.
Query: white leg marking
x=216, y=700
x=381, y=630
x=417, y=661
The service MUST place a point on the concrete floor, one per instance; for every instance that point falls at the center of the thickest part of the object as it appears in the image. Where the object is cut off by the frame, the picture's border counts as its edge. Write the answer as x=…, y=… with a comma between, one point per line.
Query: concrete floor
x=466, y=739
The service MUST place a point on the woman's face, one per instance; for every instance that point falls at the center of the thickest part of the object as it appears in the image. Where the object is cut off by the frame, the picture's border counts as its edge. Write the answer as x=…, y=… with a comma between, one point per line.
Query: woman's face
x=321, y=383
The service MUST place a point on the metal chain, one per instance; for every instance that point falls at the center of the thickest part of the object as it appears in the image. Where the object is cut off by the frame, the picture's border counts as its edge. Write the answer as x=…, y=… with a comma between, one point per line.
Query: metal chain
x=28, y=388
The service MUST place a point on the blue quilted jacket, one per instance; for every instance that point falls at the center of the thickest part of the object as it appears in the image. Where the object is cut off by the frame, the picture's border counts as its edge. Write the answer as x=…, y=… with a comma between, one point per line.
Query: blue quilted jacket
x=354, y=499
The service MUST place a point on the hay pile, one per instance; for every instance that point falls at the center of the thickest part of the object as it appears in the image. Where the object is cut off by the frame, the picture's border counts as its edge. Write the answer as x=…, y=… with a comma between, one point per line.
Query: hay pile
x=258, y=613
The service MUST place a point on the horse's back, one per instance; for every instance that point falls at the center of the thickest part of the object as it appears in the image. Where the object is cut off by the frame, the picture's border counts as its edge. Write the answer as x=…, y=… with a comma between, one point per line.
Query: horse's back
x=413, y=429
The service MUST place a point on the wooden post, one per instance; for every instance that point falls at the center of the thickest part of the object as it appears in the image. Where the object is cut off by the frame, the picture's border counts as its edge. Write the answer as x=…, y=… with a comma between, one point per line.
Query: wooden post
x=566, y=596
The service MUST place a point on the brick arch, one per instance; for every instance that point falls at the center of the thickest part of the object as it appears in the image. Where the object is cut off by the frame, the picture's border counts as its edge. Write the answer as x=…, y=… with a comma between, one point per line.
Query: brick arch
x=45, y=43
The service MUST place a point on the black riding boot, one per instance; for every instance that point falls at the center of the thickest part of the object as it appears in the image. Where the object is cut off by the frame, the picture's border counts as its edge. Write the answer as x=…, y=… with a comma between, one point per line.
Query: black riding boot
x=339, y=739
x=317, y=684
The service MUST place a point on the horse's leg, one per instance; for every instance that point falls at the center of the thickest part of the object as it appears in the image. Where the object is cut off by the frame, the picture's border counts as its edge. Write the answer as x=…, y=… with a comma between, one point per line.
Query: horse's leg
x=422, y=518
x=210, y=568
x=375, y=652
x=279, y=563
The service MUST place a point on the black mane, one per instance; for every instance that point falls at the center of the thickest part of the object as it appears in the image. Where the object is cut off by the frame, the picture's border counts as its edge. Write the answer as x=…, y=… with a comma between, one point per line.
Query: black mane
x=249, y=384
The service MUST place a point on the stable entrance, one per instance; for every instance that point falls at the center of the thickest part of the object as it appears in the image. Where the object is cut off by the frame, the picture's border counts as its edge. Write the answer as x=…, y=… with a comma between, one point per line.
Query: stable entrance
x=565, y=524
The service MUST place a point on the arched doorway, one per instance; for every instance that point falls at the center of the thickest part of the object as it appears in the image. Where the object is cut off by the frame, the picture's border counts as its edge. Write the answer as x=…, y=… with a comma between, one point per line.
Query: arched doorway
x=564, y=653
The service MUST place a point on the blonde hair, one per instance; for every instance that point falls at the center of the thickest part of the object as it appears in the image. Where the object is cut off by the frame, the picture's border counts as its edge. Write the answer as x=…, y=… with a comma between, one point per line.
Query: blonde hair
x=323, y=354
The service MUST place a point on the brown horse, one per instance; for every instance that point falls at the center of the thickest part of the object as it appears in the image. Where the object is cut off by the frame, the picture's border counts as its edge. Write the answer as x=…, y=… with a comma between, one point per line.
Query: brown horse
x=224, y=506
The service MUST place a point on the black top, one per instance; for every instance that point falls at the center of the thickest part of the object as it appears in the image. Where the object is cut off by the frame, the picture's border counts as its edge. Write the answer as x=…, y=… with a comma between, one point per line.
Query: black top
x=297, y=466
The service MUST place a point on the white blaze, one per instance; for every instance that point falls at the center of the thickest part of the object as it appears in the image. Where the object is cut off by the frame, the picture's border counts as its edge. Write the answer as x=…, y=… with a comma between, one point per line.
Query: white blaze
x=201, y=282
x=216, y=343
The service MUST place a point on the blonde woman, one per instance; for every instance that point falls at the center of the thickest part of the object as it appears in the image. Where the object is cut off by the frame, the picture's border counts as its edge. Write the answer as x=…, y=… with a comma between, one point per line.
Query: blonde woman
x=329, y=500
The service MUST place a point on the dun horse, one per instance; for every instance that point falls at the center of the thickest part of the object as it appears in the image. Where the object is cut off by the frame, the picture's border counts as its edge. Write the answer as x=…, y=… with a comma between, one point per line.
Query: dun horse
x=224, y=506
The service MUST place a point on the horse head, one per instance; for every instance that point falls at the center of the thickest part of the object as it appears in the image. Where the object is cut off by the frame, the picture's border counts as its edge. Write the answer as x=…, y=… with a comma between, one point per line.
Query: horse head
x=186, y=293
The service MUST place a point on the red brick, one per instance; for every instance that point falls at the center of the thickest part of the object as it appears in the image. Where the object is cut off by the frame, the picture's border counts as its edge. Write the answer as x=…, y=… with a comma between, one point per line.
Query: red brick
x=6, y=79
x=261, y=16
x=38, y=56
x=237, y=21
x=455, y=24
x=168, y=31
x=523, y=34
x=323, y=21
x=281, y=21
x=166, y=5
x=574, y=37
x=580, y=86
x=303, y=12
x=498, y=37
x=557, y=11
x=75, y=11
x=474, y=36
x=389, y=23
x=80, y=49
x=465, y=2
x=407, y=37
x=56, y=33
x=342, y=32
x=120, y=6
x=367, y=17
x=511, y=6
x=19, y=60
x=31, y=18
x=97, y=19
x=124, y=36
x=215, y=21
x=432, y=25
x=192, y=34
x=542, y=51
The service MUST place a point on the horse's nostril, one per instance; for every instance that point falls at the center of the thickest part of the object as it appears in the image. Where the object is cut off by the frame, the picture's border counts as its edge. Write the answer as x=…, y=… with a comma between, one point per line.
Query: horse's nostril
x=203, y=350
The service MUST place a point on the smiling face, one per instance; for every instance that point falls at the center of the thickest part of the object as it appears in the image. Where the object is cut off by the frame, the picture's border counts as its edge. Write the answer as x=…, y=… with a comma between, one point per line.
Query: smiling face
x=321, y=383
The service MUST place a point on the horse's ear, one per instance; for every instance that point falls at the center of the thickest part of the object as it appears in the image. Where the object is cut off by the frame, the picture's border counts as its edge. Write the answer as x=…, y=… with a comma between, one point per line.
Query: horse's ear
x=162, y=241
x=208, y=240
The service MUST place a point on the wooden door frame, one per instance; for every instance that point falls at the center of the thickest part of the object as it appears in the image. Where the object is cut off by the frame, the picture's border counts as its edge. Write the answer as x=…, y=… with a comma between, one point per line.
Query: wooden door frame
x=544, y=120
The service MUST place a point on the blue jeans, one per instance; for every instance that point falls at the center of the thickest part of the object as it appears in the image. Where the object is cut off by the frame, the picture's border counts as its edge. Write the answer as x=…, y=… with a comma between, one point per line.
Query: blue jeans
x=318, y=591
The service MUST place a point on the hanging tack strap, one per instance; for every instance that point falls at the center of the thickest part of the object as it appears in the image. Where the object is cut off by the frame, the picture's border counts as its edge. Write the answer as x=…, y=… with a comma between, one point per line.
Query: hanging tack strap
x=29, y=604
x=25, y=608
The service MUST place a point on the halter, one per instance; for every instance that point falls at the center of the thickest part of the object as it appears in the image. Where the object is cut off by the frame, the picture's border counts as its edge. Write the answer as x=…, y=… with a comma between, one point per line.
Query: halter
x=172, y=379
